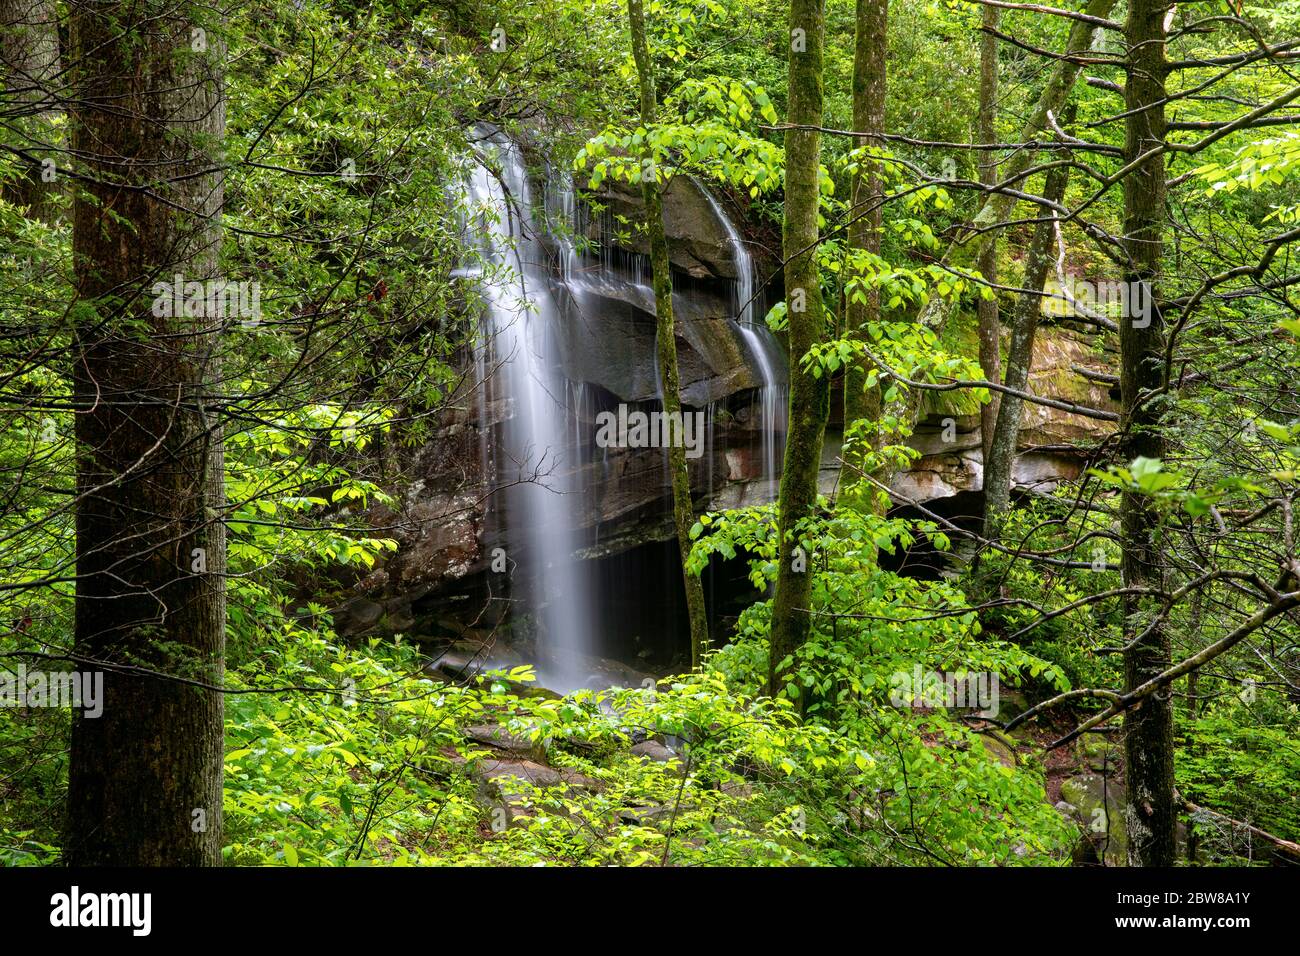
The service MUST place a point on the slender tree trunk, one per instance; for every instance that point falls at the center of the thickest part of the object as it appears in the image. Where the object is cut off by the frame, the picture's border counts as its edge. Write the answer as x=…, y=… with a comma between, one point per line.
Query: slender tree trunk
x=1194, y=745
x=1148, y=728
x=989, y=327
x=1001, y=458
x=666, y=343
x=29, y=48
x=997, y=207
x=870, y=55
x=809, y=394
x=144, y=783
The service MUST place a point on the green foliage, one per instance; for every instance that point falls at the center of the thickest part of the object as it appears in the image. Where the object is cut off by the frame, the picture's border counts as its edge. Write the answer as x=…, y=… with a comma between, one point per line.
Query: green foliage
x=374, y=768
x=1262, y=164
x=704, y=130
x=344, y=198
x=869, y=626
x=1240, y=758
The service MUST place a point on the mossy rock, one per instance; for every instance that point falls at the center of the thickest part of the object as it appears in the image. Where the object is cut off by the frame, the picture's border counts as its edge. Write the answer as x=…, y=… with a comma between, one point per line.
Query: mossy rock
x=1000, y=747
x=1011, y=703
x=1098, y=803
x=1099, y=753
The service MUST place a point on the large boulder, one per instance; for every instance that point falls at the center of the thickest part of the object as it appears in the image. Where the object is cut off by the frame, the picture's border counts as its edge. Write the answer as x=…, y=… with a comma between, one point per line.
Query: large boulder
x=1096, y=803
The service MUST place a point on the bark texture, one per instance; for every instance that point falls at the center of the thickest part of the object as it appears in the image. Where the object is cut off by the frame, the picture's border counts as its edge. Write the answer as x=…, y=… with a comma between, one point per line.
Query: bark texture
x=144, y=783
x=989, y=321
x=809, y=394
x=666, y=344
x=1148, y=728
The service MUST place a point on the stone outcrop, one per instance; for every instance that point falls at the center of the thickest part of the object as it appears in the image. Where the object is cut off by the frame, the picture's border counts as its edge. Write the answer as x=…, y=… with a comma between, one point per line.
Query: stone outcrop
x=697, y=243
x=609, y=338
x=1053, y=444
x=608, y=344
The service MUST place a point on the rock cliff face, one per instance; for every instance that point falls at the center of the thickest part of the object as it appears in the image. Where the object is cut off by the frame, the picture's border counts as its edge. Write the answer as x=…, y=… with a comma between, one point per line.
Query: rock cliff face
x=606, y=338
x=1052, y=444
x=609, y=341
x=698, y=244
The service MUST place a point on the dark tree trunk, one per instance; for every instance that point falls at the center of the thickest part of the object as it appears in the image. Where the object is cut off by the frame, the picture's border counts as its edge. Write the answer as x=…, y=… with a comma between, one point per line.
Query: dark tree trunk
x=666, y=344
x=144, y=783
x=809, y=394
x=1148, y=728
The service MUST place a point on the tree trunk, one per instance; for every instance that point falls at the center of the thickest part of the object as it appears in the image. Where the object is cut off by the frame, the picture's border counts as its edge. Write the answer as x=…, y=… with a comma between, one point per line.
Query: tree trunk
x=997, y=207
x=29, y=47
x=666, y=344
x=870, y=53
x=1001, y=457
x=809, y=394
x=989, y=327
x=144, y=783
x=1148, y=728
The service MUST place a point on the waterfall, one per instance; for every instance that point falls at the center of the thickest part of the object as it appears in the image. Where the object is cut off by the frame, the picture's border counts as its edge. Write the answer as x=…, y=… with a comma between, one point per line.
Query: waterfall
x=549, y=359
x=538, y=495
x=562, y=221
x=762, y=345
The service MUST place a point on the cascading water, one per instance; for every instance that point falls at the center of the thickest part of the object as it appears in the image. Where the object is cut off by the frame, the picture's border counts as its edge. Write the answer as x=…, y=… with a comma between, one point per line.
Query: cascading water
x=761, y=343
x=547, y=365
x=538, y=493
